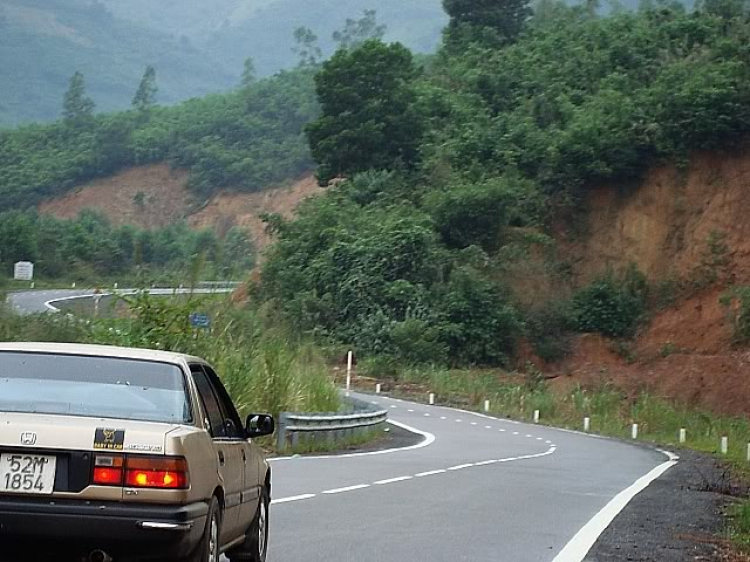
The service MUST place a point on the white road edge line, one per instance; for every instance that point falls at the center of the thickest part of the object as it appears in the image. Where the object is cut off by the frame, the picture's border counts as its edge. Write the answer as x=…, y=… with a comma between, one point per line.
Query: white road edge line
x=429, y=439
x=579, y=546
x=293, y=499
x=346, y=489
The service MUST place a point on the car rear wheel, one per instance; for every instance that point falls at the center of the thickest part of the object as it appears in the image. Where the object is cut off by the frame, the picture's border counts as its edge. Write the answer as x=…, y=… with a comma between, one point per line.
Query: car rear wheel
x=255, y=547
x=208, y=550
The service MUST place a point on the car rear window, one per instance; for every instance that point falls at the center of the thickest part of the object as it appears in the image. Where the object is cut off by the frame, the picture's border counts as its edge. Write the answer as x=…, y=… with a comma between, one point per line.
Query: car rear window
x=42, y=383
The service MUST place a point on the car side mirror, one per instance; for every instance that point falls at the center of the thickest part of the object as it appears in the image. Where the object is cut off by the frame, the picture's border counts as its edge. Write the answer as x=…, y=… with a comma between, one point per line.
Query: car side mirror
x=259, y=425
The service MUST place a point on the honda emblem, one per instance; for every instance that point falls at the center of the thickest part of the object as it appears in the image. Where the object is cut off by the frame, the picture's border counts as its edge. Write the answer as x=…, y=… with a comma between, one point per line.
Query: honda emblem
x=28, y=438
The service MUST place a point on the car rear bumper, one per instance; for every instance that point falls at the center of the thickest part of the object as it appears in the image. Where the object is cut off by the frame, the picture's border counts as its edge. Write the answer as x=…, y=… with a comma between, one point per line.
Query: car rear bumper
x=132, y=531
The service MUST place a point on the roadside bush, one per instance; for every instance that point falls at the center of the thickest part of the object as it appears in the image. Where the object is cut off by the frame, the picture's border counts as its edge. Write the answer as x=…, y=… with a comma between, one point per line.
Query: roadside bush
x=479, y=323
x=613, y=307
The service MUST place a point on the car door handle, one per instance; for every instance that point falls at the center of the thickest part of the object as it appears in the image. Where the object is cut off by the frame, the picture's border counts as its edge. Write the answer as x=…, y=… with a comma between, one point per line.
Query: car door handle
x=221, y=458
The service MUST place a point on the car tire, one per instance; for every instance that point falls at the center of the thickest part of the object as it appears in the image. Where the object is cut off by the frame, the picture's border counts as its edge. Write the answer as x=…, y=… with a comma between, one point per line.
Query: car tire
x=255, y=547
x=208, y=550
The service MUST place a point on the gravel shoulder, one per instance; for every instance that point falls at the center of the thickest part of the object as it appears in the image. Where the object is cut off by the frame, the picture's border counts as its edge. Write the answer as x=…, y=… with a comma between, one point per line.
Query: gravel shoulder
x=679, y=517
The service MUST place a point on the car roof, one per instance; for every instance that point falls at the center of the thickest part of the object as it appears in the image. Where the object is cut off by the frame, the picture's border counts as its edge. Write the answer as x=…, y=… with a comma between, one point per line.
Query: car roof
x=101, y=351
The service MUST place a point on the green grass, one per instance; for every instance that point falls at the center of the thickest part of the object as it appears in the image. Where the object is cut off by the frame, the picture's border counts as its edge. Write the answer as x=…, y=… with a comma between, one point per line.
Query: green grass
x=264, y=370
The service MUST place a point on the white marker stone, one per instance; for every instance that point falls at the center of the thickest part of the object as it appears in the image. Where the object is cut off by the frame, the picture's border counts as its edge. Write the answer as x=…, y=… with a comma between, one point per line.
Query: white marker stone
x=536, y=416
x=683, y=435
x=486, y=405
x=724, y=445
x=586, y=424
x=432, y=398
x=634, y=431
x=377, y=388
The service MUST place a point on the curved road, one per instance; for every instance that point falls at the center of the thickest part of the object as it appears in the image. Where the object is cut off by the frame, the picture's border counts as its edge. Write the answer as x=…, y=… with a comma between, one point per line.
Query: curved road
x=484, y=489
x=476, y=489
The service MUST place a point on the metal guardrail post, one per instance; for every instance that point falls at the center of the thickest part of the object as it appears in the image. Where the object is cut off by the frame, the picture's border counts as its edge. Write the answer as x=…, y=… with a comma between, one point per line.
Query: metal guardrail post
x=281, y=431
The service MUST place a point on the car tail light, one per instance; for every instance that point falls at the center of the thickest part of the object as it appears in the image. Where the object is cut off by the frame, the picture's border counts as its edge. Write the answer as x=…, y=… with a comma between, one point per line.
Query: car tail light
x=141, y=472
x=157, y=472
x=108, y=470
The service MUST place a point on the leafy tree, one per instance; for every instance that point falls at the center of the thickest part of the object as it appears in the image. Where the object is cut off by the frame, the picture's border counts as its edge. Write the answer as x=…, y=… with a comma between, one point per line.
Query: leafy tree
x=369, y=118
x=306, y=47
x=356, y=32
x=506, y=18
x=249, y=74
x=145, y=96
x=77, y=107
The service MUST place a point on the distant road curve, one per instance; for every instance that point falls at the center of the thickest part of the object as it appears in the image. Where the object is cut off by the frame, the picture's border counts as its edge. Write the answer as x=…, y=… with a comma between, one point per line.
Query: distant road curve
x=35, y=302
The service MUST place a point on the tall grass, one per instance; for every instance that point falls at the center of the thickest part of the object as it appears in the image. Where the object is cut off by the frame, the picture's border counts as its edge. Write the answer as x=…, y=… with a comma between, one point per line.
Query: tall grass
x=264, y=370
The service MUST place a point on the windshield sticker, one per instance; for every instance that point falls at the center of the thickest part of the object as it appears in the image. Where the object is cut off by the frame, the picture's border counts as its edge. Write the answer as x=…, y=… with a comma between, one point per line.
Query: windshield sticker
x=109, y=439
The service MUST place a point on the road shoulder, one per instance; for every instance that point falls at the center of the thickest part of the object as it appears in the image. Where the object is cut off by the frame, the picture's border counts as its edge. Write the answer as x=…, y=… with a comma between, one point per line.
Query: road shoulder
x=677, y=518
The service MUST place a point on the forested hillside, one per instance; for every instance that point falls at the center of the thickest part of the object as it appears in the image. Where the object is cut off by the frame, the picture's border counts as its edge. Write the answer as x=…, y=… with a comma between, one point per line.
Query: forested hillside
x=440, y=246
x=244, y=140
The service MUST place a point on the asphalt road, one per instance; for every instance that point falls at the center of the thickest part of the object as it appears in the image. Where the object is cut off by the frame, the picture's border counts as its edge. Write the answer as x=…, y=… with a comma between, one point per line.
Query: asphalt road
x=475, y=489
x=34, y=302
x=484, y=489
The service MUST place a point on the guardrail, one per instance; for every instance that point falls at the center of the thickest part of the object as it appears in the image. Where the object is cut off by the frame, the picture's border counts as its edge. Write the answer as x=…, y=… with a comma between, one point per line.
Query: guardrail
x=359, y=418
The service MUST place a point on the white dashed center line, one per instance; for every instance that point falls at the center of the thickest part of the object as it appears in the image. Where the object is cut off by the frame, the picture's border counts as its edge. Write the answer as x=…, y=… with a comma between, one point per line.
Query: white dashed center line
x=430, y=473
x=293, y=498
x=392, y=480
x=347, y=489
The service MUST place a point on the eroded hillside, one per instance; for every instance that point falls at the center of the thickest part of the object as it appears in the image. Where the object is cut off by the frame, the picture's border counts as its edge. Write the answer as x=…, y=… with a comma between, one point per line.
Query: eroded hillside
x=154, y=196
x=687, y=230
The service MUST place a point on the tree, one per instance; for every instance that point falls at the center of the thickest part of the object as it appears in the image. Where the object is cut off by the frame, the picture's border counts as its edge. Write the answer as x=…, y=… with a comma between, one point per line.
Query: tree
x=356, y=32
x=249, y=74
x=506, y=18
x=369, y=120
x=145, y=97
x=77, y=107
x=306, y=47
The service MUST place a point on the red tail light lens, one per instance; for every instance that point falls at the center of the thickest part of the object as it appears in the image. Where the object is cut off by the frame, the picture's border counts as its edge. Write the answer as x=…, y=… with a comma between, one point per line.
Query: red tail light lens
x=155, y=472
x=141, y=472
x=108, y=470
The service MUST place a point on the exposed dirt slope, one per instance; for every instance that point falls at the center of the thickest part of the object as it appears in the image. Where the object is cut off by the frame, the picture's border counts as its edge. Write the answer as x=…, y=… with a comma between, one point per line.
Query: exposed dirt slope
x=664, y=224
x=674, y=225
x=165, y=199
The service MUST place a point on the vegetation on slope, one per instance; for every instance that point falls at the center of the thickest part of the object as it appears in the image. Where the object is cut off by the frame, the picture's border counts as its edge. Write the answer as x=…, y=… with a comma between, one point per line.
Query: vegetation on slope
x=412, y=256
x=89, y=248
x=245, y=140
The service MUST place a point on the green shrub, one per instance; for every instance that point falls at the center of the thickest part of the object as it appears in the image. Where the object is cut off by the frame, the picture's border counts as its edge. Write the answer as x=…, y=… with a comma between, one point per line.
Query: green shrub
x=611, y=306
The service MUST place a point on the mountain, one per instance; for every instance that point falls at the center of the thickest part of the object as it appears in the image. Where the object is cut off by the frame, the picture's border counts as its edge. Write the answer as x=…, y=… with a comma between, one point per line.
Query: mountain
x=43, y=42
x=196, y=46
x=263, y=29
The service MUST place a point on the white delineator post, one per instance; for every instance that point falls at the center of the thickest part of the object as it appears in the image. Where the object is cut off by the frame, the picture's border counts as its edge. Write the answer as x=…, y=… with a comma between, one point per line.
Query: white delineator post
x=724, y=445
x=683, y=435
x=748, y=452
x=377, y=388
x=432, y=398
x=486, y=406
x=536, y=416
x=349, y=358
x=634, y=431
x=586, y=424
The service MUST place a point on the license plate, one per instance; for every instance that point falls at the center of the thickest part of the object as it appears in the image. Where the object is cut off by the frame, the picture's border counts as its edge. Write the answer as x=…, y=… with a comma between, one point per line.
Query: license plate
x=27, y=474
